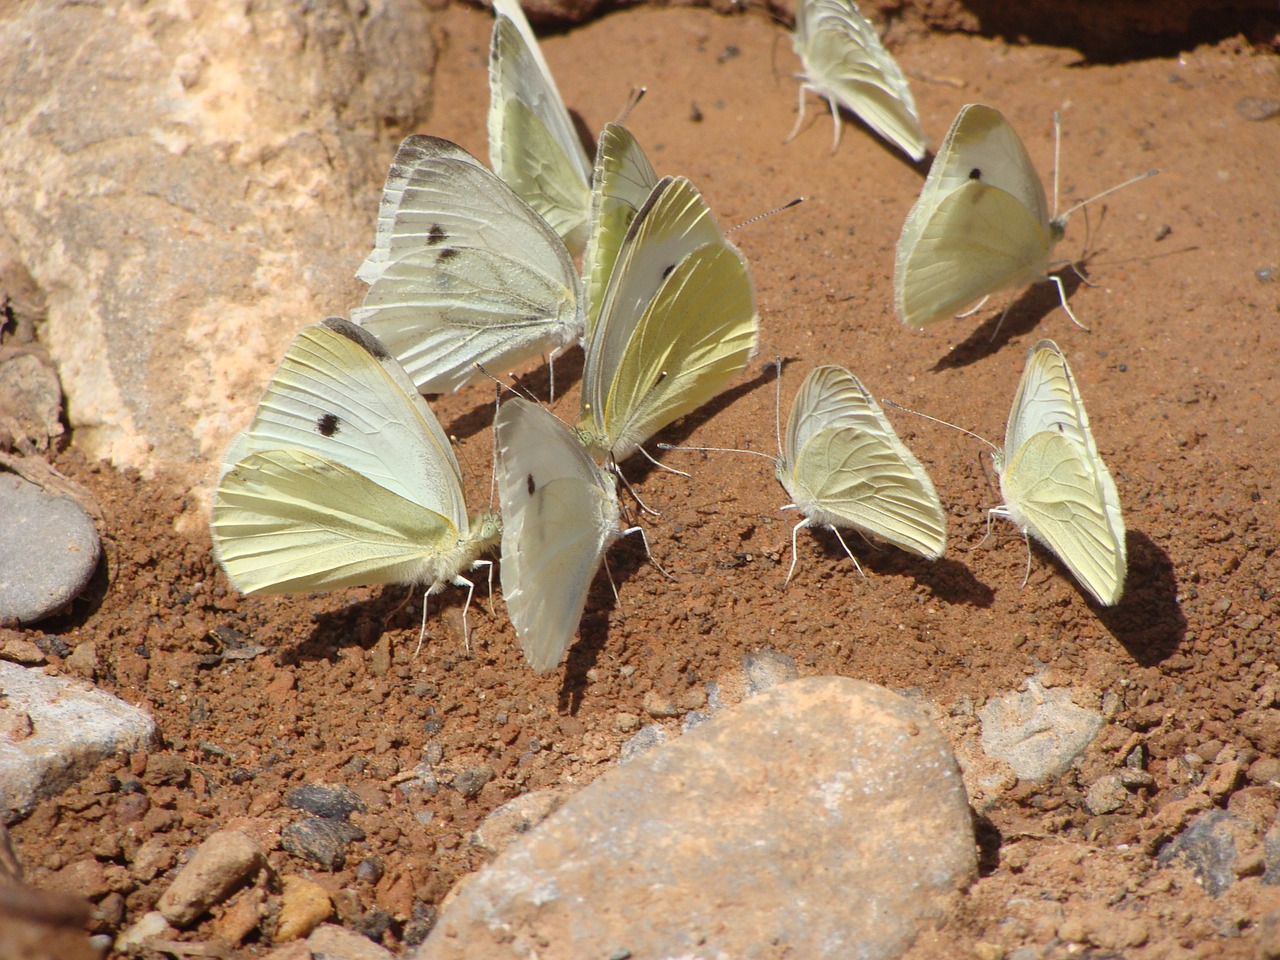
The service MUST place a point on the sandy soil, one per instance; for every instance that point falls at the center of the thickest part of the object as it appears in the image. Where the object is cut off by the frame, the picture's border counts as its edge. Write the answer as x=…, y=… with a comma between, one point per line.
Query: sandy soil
x=1178, y=377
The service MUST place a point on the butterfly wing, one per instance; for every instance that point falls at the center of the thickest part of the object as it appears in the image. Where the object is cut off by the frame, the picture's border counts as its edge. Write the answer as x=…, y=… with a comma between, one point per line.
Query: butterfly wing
x=844, y=466
x=845, y=60
x=622, y=181
x=1062, y=490
x=678, y=320
x=560, y=513
x=470, y=273
x=340, y=430
x=533, y=144
x=983, y=190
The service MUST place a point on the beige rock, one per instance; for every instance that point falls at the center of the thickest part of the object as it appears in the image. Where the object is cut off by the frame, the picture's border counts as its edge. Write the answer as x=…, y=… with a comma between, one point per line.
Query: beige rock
x=224, y=862
x=189, y=184
x=304, y=905
x=515, y=818
x=338, y=943
x=824, y=817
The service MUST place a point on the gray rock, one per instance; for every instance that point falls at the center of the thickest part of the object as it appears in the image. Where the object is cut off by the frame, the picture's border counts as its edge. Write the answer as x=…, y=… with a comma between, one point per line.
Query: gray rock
x=337, y=943
x=472, y=780
x=221, y=865
x=1208, y=847
x=823, y=818
x=1106, y=794
x=647, y=736
x=1037, y=732
x=49, y=549
x=768, y=668
x=1271, y=856
x=170, y=181
x=57, y=731
x=323, y=800
x=323, y=842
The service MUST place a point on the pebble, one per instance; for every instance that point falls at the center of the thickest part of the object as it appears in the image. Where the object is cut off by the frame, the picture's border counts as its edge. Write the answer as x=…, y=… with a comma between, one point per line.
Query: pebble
x=220, y=866
x=149, y=926
x=304, y=905
x=514, y=818
x=323, y=800
x=472, y=780
x=323, y=842
x=1208, y=847
x=1258, y=109
x=825, y=818
x=1106, y=795
x=1038, y=732
x=49, y=549
x=65, y=727
x=242, y=917
x=767, y=668
x=30, y=396
x=337, y=943
x=643, y=739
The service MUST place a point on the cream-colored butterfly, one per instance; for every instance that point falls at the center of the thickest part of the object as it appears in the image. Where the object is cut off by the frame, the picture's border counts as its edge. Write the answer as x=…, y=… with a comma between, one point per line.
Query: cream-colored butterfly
x=844, y=466
x=463, y=271
x=676, y=321
x=533, y=144
x=981, y=224
x=560, y=514
x=845, y=62
x=1055, y=486
x=620, y=184
x=343, y=478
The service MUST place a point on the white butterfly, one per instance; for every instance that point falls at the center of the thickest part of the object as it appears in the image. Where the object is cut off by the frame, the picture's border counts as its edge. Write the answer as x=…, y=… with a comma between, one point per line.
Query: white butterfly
x=343, y=478
x=676, y=321
x=620, y=184
x=981, y=224
x=533, y=144
x=843, y=466
x=560, y=514
x=463, y=271
x=1054, y=483
x=845, y=62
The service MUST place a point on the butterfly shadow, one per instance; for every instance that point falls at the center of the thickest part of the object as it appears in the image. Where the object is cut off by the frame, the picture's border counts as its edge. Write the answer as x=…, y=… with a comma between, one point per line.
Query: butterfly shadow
x=1023, y=315
x=534, y=385
x=1148, y=621
x=624, y=558
x=949, y=580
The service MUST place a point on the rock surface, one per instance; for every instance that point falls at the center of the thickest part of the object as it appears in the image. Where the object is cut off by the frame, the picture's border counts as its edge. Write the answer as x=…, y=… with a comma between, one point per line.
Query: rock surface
x=823, y=818
x=49, y=549
x=1038, y=732
x=220, y=866
x=188, y=185
x=55, y=731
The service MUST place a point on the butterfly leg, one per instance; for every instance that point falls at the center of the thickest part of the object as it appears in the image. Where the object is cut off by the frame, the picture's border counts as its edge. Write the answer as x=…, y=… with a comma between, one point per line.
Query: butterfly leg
x=849, y=552
x=794, y=531
x=804, y=88
x=1027, y=576
x=1000, y=323
x=974, y=309
x=835, y=120
x=422, y=632
x=1062, y=296
x=640, y=503
x=648, y=553
x=471, y=589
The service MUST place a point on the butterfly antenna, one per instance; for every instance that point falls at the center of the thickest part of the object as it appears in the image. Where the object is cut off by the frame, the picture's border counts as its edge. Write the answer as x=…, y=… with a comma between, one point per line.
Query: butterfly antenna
x=889, y=403
x=608, y=572
x=1057, y=155
x=633, y=99
x=1000, y=323
x=1061, y=218
x=631, y=490
x=754, y=453
x=856, y=565
x=493, y=477
x=777, y=405
x=768, y=213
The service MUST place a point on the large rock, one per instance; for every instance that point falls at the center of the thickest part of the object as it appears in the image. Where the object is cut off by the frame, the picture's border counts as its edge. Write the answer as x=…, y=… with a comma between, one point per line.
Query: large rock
x=189, y=183
x=823, y=818
x=53, y=731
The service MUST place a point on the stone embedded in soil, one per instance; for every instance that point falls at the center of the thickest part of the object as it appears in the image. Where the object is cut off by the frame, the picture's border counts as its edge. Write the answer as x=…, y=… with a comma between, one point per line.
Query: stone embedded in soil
x=64, y=728
x=337, y=943
x=514, y=818
x=1106, y=794
x=825, y=818
x=220, y=866
x=768, y=668
x=650, y=735
x=49, y=550
x=323, y=842
x=1208, y=846
x=304, y=905
x=1038, y=732
x=324, y=800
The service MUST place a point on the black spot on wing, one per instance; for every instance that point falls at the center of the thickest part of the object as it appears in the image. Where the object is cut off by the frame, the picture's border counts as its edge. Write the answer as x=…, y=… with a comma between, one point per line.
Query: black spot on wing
x=666, y=271
x=532, y=487
x=327, y=425
x=358, y=335
x=436, y=235
x=448, y=253
x=975, y=173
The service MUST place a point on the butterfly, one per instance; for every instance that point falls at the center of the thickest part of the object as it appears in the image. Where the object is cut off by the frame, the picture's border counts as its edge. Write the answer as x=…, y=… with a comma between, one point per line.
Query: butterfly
x=1055, y=486
x=620, y=184
x=677, y=320
x=843, y=466
x=981, y=224
x=463, y=271
x=343, y=478
x=845, y=62
x=533, y=144
x=560, y=514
